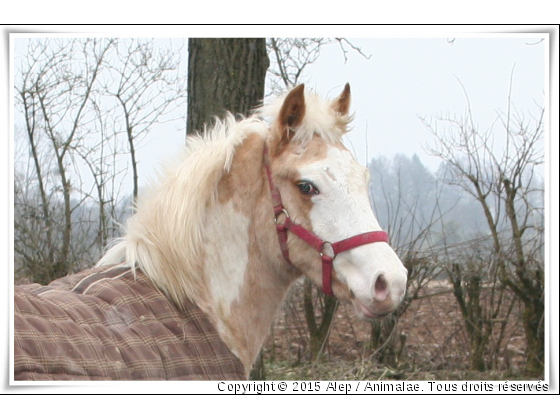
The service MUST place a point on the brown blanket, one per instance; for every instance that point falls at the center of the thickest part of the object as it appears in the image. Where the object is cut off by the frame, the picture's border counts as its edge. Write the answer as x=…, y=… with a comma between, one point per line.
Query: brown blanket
x=105, y=324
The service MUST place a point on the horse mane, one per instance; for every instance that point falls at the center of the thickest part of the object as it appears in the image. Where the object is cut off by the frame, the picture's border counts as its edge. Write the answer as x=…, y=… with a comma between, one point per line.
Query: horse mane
x=165, y=237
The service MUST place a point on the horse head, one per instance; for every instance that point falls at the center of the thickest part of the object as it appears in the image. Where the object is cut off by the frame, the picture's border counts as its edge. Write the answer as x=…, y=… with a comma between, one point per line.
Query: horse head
x=327, y=228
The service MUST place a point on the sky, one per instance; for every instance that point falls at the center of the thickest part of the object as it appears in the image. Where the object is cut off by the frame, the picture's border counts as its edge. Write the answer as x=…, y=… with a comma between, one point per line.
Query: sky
x=406, y=79
x=395, y=83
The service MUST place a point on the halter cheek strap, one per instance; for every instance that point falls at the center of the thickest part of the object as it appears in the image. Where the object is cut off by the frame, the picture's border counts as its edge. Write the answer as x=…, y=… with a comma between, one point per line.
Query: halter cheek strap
x=310, y=238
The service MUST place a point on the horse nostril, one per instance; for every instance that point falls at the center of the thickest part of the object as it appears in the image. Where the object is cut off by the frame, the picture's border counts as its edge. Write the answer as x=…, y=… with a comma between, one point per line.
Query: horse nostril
x=380, y=289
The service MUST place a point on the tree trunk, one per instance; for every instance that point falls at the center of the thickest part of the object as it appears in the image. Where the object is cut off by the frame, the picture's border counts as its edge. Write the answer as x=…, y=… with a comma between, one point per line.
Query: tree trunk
x=467, y=288
x=225, y=74
x=533, y=323
x=318, y=333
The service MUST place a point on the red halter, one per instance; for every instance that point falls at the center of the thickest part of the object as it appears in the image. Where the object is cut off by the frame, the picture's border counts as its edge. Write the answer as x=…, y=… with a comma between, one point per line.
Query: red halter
x=313, y=240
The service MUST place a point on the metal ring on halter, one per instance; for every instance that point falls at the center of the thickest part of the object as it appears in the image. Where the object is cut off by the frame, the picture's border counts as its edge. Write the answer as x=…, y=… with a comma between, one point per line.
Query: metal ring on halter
x=332, y=249
x=283, y=211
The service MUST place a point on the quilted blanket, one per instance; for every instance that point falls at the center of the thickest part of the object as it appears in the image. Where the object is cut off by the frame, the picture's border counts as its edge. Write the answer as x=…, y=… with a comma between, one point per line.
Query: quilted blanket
x=107, y=324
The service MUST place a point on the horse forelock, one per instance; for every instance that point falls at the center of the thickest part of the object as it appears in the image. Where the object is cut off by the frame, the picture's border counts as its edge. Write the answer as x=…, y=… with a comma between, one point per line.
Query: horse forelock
x=166, y=238
x=320, y=118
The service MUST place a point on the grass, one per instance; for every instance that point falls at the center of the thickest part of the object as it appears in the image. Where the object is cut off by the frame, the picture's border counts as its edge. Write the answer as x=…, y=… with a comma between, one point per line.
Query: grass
x=367, y=370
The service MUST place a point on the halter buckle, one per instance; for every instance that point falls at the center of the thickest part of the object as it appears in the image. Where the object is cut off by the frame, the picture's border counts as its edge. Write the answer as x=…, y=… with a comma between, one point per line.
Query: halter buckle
x=331, y=254
x=280, y=214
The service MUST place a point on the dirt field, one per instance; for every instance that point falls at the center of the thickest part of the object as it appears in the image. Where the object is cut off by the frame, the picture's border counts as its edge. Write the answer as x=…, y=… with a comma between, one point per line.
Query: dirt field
x=431, y=343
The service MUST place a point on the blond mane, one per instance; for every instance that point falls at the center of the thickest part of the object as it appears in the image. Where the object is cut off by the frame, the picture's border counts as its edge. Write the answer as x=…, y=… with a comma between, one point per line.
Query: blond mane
x=165, y=237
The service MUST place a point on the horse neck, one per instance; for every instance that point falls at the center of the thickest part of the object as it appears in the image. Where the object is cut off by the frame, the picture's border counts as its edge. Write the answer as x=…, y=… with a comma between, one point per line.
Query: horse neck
x=246, y=276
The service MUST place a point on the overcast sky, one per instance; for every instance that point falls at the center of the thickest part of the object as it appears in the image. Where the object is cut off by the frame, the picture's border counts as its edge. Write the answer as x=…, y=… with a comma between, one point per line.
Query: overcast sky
x=405, y=79
x=408, y=78
x=402, y=80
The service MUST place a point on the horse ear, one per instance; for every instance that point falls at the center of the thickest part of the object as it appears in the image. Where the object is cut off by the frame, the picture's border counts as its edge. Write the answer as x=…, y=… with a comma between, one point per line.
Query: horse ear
x=342, y=103
x=293, y=109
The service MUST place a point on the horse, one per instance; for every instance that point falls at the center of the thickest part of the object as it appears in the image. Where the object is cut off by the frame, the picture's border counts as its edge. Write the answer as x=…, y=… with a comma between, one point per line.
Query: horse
x=253, y=205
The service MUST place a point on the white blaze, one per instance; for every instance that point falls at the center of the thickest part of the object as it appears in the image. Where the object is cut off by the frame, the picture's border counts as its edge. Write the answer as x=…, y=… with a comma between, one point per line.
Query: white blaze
x=342, y=210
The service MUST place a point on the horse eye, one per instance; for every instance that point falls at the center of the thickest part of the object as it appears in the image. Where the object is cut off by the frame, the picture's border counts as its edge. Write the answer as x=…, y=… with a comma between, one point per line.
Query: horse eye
x=307, y=188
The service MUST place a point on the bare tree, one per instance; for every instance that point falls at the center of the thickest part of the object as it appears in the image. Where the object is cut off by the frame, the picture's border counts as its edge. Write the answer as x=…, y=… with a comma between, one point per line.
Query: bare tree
x=86, y=104
x=54, y=94
x=483, y=301
x=505, y=184
x=291, y=56
x=406, y=197
x=145, y=81
x=101, y=154
x=318, y=330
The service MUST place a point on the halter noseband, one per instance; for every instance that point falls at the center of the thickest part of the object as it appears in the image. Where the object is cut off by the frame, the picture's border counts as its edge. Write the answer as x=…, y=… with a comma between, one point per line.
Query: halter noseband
x=309, y=237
